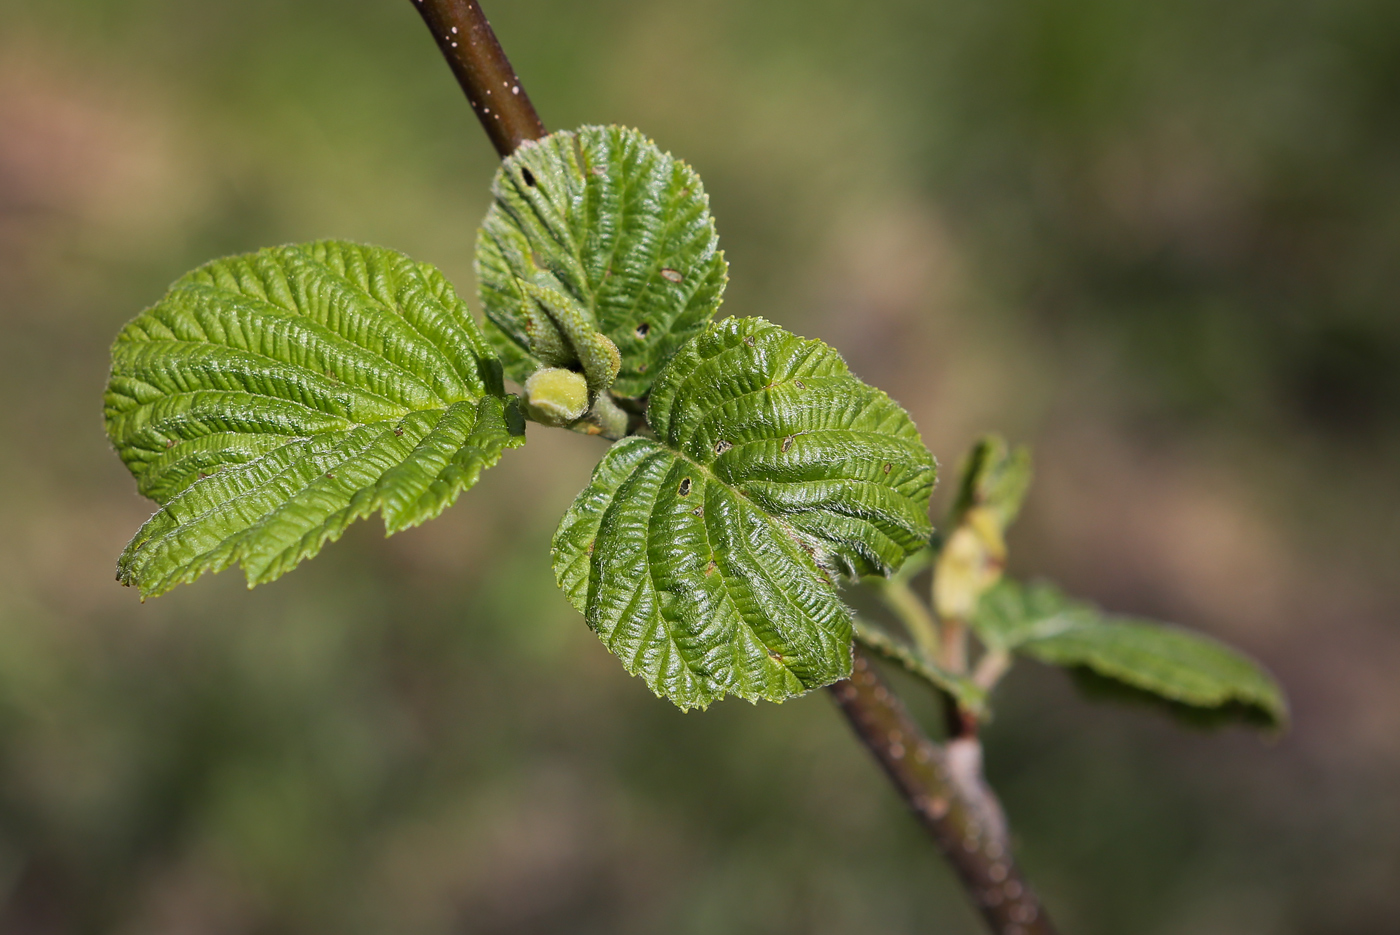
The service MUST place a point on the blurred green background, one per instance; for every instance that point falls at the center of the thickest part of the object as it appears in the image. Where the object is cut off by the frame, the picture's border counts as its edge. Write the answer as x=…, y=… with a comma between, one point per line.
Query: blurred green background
x=1158, y=240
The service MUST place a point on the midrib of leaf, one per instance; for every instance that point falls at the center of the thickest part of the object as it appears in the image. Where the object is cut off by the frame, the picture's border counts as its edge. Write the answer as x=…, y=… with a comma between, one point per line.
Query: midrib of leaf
x=775, y=519
x=637, y=481
x=723, y=558
x=727, y=579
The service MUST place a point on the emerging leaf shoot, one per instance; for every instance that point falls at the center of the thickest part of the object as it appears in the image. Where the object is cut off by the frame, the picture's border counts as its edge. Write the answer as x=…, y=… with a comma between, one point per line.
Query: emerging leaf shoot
x=993, y=483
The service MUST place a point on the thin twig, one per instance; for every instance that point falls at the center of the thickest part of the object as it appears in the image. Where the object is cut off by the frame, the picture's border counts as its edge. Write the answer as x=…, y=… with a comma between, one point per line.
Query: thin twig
x=483, y=71
x=945, y=789
x=952, y=645
x=990, y=668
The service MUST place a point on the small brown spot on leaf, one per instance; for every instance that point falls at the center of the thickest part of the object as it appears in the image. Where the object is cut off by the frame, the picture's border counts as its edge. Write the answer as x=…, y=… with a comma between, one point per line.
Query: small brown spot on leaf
x=642, y=367
x=591, y=544
x=170, y=443
x=398, y=430
x=698, y=511
x=202, y=475
x=722, y=446
x=599, y=171
x=748, y=339
x=671, y=274
x=711, y=568
x=684, y=488
x=799, y=384
x=776, y=657
x=330, y=474
x=787, y=442
x=888, y=466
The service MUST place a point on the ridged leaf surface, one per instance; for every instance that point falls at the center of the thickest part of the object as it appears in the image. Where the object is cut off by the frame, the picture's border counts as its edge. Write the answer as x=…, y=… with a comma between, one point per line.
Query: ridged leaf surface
x=705, y=558
x=621, y=227
x=271, y=399
x=1169, y=662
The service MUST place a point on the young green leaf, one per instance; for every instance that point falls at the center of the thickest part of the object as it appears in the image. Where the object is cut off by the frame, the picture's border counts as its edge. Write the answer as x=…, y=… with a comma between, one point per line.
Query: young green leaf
x=271, y=399
x=994, y=478
x=991, y=487
x=1171, y=663
x=623, y=229
x=704, y=558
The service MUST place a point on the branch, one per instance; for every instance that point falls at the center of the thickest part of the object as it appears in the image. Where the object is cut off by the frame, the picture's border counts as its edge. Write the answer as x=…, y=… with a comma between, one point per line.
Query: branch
x=482, y=69
x=945, y=789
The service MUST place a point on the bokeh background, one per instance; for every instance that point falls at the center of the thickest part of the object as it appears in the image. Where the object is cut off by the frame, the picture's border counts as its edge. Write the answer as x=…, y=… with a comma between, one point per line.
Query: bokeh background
x=1160, y=241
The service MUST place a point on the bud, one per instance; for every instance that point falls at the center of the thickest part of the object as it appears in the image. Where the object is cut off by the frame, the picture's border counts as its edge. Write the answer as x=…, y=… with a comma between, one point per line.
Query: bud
x=970, y=563
x=555, y=396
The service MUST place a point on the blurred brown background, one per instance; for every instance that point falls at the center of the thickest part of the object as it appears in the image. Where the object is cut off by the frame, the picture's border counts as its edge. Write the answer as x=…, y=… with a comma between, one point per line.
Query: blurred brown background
x=1158, y=240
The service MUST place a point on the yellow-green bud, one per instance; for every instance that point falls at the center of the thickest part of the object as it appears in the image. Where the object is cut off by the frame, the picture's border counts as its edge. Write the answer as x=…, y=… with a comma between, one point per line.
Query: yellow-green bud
x=970, y=563
x=555, y=396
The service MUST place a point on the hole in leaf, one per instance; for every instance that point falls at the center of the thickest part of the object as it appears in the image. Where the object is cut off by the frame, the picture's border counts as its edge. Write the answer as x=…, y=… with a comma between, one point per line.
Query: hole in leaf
x=643, y=330
x=528, y=176
x=722, y=446
x=685, y=487
x=671, y=274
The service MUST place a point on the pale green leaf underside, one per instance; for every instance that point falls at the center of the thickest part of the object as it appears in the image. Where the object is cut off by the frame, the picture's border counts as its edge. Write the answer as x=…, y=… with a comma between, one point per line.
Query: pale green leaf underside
x=704, y=558
x=271, y=399
x=1166, y=661
x=622, y=227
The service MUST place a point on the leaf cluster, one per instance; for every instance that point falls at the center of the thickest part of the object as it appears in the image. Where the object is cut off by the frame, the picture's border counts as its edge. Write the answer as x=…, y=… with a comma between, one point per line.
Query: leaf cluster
x=269, y=400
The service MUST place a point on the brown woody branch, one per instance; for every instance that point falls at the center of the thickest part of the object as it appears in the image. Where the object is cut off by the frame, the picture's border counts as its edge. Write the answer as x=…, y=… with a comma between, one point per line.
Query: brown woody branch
x=943, y=785
x=497, y=97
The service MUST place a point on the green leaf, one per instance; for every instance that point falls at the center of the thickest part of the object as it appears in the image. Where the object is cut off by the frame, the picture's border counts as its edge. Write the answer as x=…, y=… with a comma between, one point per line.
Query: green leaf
x=704, y=558
x=1168, y=662
x=995, y=478
x=271, y=399
x=606, y=218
